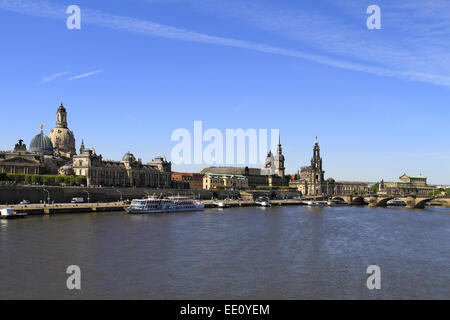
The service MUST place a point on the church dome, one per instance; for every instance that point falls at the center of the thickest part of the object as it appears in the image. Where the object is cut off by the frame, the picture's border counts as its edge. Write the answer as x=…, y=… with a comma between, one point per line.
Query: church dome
x=41, y=144
x=128, y=157
x=63, y=140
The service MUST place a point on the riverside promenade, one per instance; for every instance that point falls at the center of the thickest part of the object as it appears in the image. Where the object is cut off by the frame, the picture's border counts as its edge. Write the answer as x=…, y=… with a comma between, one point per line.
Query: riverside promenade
x=40, y=209
x=58, y=208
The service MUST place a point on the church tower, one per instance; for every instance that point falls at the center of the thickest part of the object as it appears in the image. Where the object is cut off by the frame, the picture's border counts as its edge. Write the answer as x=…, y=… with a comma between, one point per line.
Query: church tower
x=279, y=160
x=62, y=138
x=317, y=174
x=61, y=117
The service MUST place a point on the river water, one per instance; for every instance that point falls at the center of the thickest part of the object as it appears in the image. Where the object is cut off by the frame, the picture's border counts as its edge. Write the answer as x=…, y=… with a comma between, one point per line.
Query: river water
x=236, y=253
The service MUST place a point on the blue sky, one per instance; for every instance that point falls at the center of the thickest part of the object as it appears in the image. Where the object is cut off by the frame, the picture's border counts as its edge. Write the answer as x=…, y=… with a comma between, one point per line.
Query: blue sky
x=139, y=69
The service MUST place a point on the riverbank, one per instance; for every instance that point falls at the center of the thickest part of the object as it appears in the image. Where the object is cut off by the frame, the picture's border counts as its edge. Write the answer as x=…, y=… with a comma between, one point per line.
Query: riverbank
x=14, y=194
x=59, y=208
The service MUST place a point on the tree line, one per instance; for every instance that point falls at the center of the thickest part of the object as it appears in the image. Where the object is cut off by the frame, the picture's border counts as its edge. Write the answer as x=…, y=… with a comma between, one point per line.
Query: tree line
x=56, y=180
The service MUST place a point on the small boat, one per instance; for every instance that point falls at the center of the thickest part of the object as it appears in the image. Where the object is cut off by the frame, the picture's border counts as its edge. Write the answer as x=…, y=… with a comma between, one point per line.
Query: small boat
x=9, y=213
x=170, y=204
x=263, y=202
x=313, y=203
x=337, y=203
x=221, y=204
x=396, y=202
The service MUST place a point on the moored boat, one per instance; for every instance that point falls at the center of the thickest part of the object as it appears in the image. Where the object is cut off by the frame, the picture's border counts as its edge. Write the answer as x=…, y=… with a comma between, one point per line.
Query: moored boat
x=263, y=202
x=9, y=213
x=337, y=203
x=313, y=203
x=221, y=204
x=396, y=203
x=170, y=204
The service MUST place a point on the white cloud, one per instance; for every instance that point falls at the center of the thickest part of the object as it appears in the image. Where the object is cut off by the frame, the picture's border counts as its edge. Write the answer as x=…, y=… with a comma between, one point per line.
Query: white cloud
x=53, y=77
x=376, y=54
x=84, y=75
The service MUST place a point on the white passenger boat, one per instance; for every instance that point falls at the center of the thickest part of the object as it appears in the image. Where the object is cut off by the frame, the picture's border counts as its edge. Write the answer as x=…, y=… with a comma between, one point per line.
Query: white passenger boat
x=396, y=202
x=9, y=213
x=312, y=203
x=170, y=204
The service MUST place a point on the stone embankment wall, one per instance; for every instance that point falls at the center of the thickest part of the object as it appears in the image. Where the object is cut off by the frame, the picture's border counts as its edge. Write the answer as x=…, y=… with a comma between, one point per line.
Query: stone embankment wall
x=13, y=194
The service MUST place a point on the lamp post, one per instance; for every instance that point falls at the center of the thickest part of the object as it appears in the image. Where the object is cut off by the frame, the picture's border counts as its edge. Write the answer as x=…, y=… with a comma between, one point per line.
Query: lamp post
x=48, y=195
x=120, y=194
x=88, y=195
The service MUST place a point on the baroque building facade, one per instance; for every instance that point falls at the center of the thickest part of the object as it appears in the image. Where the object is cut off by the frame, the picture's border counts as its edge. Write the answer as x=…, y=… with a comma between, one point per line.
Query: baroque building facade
x=310, y=180
x=272, y=174
x=56, y=154
x=406, y=185
x=129, y=172
x=231, y=181
x=21, y=161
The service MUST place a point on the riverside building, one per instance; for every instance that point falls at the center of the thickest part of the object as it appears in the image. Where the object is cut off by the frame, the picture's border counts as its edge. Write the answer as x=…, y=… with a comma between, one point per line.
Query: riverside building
x=56, y=154
x=406, y=185
x=129, y=172
x=310, y=180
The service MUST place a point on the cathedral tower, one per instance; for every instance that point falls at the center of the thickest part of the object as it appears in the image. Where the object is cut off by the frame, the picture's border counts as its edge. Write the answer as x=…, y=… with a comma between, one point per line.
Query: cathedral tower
x=279, y=160
x=62, y=138
x=316, y=178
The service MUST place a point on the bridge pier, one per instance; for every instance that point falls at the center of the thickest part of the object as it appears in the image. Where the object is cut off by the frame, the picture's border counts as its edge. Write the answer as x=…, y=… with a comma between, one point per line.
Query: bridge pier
x=411, y=202
x=373, y=201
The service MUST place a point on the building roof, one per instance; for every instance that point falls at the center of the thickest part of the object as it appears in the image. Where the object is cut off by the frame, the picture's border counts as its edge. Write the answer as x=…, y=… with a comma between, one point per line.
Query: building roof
x=228, y=176
x=233, y=171
x=128, y=157
x=41, y=144
x=414, y=176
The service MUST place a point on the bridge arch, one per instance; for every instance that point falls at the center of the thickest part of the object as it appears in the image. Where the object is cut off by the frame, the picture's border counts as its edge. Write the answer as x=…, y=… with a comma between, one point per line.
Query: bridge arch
x=383, y=201
x=420, y=204
x=358, y=200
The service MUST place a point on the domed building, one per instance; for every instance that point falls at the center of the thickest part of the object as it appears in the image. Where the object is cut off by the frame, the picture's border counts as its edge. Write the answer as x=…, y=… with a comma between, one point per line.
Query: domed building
x=41, y=144
x=129, y=172
x=62, y=138
x=129, y=158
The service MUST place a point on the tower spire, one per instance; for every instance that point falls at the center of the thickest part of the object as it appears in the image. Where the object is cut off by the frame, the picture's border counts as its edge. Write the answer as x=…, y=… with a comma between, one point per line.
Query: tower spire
x=279, y=151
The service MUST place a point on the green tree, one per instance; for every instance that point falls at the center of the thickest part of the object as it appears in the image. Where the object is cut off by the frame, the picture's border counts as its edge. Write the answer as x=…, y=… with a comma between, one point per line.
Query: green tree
x=72, y=181
x=50, y=180
x=59, y=179
x=44, y=179
x=79, y=180
x=374, y=188
x=36, y=179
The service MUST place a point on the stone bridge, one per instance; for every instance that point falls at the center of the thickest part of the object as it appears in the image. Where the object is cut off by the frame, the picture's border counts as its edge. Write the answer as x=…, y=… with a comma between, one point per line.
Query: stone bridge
x=412, y=201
